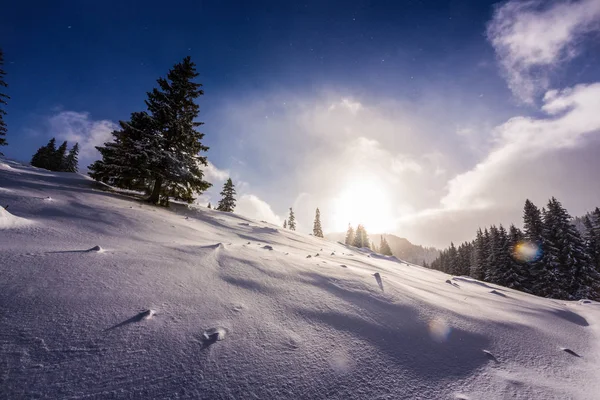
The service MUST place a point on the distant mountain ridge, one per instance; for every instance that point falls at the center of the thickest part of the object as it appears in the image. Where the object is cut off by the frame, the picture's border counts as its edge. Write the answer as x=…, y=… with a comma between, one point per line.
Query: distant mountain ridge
x=401, y=247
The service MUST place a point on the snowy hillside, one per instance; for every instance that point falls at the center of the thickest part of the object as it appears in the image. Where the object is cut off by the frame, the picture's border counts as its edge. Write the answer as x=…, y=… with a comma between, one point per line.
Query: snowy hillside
x=193, y=303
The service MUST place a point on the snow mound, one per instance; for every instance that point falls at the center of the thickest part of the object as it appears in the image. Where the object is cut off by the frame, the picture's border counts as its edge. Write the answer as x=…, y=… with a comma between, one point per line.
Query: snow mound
x=9, y=221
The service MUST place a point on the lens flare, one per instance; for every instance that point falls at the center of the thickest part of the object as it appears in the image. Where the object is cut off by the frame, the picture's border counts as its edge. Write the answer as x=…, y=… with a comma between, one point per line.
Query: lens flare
x=439, y=330
x=527, y=251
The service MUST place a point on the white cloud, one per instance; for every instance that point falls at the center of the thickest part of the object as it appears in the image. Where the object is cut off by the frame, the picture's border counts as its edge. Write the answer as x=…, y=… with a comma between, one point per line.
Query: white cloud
x=522, y=139
x=252, y=206
x=347, y=104
x=533, y=37
x=215, y=175
x=79, y=127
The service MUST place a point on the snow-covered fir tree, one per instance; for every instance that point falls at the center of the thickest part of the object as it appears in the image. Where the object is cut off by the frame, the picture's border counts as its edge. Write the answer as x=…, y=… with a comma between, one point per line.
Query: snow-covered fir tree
x=566, y=258
x=567, y=268
x=3, y=102
x=128, y=160
x=292, y=220
x=209, y=206
x=514, y=273
x=349, y=236
x=317, y=230
x=285, y=224
x=479, y=258
x=227, y=202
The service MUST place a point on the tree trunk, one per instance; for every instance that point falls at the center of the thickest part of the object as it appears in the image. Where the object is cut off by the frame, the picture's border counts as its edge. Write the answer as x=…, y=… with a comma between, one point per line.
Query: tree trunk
x=155, y=195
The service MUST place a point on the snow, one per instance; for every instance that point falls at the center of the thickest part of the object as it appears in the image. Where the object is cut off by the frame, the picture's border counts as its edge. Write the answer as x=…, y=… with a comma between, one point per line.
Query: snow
x=104, y=296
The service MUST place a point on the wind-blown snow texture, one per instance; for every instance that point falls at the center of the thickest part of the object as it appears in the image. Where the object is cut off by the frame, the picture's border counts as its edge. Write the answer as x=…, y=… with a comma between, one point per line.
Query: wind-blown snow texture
x=193, y=303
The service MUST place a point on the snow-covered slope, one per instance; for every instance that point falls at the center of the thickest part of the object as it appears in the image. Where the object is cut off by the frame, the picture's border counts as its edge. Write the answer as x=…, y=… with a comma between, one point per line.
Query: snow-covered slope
x=193, y=303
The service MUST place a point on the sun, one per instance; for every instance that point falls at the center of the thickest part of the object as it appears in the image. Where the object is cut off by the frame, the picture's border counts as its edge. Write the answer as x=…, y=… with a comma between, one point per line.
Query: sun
x=363, y=201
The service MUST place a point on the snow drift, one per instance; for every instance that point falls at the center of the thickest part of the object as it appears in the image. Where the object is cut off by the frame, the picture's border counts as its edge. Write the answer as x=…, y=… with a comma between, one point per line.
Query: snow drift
x=193, y=303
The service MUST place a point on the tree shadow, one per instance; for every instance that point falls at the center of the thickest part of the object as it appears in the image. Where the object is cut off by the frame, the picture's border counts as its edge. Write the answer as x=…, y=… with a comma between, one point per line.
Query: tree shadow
x=571, y=317
x=399, y=332
x=136, y=318
x=248, y=284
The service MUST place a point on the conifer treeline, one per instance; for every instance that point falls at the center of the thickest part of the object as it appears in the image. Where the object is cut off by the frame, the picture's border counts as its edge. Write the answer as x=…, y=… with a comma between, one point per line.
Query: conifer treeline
x=53, y=159
x=3, y=98
x=548, y=258
x=359, y=238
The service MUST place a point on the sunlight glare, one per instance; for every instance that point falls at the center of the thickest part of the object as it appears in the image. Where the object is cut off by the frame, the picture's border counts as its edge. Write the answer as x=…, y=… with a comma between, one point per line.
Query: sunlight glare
x=363, y=201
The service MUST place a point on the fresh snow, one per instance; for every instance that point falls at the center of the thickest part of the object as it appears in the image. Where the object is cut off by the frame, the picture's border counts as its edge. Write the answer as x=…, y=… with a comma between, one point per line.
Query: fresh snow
x=104, y=296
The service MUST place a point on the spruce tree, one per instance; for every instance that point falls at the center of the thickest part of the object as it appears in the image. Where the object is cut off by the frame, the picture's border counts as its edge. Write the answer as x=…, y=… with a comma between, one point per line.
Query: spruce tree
x=292, y=220
x=361, y=239
x=317, y=230
x=566, y=260
x=384, y=247
x=128, y=160
x=464, y=257
x=209, y=206
x=592, y=237
x=373, y=247
x=59, y=157
x=3, y=98
x=514, y=275
x=159, y=151
x=533, y=229
x=45, y=156
x=227, y=202
x=71, y=161
x=349, y=236
x=176, y=172
x=285, y=224
x=493, y=248
x=502, y=257
x=479, y=263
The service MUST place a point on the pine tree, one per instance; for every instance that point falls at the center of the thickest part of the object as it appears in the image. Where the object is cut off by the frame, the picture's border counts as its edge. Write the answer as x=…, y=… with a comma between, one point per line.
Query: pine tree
x=227, y=202
x=384, y=247
x=361, y=239
x=292, y=220
x=159, y=151
x=566, y=260
x=71, y=161
x=3, y=98
x=128, y=160
x=592, y=237
x=177, y=172
x=373, y=247
x=452, y=261
x=285, y=224
x=479, y=263
x=514, y=275
x=349, y=236
x=503, y=257
x=464, y=256
x=59, y=157
x=533, y=228
x=44, y=156
x=317, y=230
x=209, y=206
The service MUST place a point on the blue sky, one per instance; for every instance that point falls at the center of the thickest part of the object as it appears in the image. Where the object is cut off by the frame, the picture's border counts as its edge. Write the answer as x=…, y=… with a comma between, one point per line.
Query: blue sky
x=418, y=97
